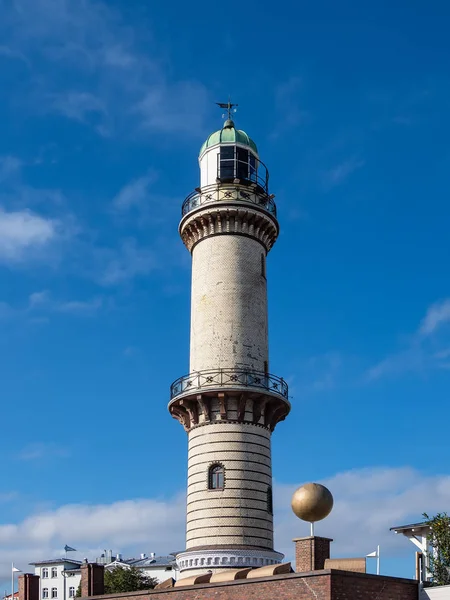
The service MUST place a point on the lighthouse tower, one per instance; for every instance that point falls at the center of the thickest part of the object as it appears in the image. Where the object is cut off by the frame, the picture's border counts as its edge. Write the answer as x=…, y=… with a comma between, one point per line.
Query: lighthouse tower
x=229, y=403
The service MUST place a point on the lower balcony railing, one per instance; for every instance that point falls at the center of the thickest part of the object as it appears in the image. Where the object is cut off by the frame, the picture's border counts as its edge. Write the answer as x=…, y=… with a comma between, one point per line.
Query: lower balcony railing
x=228, y=378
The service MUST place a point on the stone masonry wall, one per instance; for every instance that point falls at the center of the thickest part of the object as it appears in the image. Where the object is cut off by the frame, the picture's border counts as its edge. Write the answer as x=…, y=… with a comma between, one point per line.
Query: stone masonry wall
x=238, y=514
x=228, y=304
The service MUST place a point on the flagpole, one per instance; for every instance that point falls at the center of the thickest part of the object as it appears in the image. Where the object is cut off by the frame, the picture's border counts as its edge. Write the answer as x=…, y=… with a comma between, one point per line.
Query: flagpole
x=378, y=560
x=12, y=581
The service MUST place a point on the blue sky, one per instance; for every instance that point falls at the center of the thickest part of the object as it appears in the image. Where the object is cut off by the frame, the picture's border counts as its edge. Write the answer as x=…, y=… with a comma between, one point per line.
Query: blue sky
x=104, y=107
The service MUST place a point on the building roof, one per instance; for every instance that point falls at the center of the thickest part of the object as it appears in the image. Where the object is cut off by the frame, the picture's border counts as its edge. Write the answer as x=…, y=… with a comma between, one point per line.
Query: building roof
x=156, y=561
x=412, y=527
x=56, y=561
x=229, y=135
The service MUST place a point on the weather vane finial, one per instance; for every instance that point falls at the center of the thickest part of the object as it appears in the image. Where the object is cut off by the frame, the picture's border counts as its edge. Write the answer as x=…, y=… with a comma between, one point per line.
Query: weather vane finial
x=229, y=106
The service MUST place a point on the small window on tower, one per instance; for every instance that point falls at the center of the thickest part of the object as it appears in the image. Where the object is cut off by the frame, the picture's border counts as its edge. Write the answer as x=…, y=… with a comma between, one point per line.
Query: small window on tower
x=226, y=169
x=242, y=163
x=269, y=500
x=263, y=265
x=216, y=477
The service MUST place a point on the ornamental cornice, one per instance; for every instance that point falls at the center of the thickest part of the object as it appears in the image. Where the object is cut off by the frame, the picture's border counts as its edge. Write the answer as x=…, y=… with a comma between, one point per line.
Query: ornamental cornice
x=262, y=409
x=229, y=219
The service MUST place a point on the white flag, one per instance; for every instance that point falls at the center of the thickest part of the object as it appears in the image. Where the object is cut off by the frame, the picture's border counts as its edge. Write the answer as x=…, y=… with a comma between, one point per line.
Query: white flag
x=372, y=555
x=16, y=570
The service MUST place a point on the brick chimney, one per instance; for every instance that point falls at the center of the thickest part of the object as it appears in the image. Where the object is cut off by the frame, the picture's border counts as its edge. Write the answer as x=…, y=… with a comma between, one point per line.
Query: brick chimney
x=311, y=553
x=92, y=580
x=28, y=587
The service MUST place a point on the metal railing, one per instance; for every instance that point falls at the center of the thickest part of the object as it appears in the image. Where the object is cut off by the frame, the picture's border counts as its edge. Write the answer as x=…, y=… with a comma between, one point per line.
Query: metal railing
x=220, y=193
x=228, y=378
x=249, y=170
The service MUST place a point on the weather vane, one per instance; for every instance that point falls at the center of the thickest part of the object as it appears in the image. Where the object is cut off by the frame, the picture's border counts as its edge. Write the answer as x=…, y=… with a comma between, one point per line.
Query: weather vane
x=229, y=106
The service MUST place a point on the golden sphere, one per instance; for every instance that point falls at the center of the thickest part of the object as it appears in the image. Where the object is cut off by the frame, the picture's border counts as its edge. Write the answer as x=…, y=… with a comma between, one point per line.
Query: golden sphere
x=312, y=502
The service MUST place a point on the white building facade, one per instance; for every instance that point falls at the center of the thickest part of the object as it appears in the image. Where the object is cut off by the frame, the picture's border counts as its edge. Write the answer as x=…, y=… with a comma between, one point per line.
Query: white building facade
x=229, y=403
x=59, y=578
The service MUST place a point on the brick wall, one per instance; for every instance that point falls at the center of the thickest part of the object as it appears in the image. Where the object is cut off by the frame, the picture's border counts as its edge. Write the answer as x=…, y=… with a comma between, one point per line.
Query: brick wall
x=353, y=586
x=323, y=585
x=92, y=579
x=28, y=587
x=311, y=553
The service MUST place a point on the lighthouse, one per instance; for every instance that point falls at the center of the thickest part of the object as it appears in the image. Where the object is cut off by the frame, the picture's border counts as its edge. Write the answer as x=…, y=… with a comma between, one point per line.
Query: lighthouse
x=229, y=403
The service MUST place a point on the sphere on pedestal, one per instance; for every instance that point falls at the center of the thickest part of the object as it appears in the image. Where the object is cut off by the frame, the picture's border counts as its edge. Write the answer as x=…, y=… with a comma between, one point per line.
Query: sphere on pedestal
x=312, y=502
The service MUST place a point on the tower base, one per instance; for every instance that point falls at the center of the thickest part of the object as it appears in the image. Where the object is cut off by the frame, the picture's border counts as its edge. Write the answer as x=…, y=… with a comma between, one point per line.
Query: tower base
x=196, y=562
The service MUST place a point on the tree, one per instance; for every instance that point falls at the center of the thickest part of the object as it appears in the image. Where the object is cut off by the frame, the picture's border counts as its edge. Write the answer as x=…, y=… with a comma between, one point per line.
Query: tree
x=124, y=579
x=440, y=548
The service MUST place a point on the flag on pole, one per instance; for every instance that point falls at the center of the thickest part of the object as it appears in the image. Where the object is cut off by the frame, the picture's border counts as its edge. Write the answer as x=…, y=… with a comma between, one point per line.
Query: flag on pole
x=376, y=555
x=69, y=548
x=16, y=570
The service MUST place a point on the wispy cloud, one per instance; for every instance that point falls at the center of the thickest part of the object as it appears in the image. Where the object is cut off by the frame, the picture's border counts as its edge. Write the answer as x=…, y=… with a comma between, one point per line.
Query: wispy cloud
x=126, y=263
x=130, y=90
x=437, y=315
x=319, y=373
x=81, y=106
x=42, y=304
x=9, y=167
x=427, y=349
x=135, y=193
x=338, y=174
x=289, y=110
x=39, y=450
x=43, y=301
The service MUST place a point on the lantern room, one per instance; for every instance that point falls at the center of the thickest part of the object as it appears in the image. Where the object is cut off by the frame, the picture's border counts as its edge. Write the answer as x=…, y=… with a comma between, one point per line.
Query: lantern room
x=231, y=156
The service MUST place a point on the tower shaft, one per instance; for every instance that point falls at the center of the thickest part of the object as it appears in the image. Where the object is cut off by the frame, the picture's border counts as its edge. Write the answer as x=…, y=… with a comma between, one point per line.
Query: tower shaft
x=229, y=304
x=229, y=403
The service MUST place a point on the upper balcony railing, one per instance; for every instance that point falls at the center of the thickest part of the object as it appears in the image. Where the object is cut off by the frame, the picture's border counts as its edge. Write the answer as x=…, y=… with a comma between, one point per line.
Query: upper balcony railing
x=228, y=378
x=228, y=193
x=235, y=163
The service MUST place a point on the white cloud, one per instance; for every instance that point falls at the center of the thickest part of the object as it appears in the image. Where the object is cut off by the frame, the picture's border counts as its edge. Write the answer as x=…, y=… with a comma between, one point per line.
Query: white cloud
x=367, y=503
x=22, y=233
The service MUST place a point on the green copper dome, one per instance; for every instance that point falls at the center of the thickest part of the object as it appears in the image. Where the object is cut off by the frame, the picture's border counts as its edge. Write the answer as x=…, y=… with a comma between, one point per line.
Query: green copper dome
x=229, y=135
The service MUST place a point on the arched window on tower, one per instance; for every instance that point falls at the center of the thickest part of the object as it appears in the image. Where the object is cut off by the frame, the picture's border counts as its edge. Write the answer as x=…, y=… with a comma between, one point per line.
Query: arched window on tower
x=216, y=477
